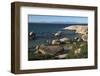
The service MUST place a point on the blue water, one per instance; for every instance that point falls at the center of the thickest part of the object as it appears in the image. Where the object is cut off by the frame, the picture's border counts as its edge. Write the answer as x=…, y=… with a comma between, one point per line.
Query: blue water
x=45, y=31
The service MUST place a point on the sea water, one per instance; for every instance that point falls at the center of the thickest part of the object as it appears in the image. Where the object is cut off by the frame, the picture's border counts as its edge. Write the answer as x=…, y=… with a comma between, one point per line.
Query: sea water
x=46, y=31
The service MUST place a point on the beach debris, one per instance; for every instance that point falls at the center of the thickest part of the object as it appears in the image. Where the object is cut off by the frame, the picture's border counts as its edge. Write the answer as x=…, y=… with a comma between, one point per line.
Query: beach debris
x=80, y=29
x=32, y=35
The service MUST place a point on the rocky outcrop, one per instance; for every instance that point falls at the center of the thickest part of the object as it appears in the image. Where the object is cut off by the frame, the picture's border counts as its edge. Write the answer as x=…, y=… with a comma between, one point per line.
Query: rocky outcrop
x=80, y=29
x=51, y=50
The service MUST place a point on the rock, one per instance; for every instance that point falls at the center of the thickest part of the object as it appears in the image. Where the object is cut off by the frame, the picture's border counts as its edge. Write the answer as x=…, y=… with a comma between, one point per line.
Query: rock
x=56, y=42
x=40, y=49
x=51, y=50
x=64, y=40
x=31, y=35
x=66, y=50
x=58, y=34
x=70, y=47
x=74, y=43
x=80, y=29
x=77, y=51
x=62, y=56
x=84, y=37
x=59, y=41
x=49, y=42
x=81, y=45
x=78, y=39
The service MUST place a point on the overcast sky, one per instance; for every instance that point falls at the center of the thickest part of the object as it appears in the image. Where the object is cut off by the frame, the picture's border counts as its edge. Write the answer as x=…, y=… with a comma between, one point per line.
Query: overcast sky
x=57, y=19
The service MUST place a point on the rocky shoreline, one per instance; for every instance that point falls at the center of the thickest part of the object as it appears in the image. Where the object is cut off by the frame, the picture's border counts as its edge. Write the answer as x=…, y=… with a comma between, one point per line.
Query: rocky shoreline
x=61, y=48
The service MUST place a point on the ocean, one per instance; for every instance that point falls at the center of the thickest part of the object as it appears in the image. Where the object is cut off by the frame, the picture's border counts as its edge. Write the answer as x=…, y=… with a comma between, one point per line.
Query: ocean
x=45, y=31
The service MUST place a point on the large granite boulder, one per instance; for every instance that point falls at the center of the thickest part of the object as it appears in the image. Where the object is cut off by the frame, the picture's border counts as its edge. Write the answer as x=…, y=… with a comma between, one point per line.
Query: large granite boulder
x=51, y=50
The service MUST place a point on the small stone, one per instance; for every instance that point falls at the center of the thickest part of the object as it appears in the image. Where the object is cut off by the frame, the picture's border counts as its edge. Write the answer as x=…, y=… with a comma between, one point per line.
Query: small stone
x=61, y=56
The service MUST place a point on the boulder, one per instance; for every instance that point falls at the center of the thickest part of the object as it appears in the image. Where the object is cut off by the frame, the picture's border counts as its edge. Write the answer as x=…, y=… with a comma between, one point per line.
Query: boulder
x=77, y=51
x=56, y=42
x=51, y=50
x=31, y=35
x=84, y=37
x=57, y=34
x=62, y=56
x=78, y=39
x=64, y=40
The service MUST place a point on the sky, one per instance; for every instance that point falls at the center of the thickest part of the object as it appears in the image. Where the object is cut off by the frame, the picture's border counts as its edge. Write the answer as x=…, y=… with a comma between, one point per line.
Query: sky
x=57, y=19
